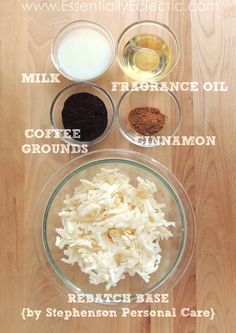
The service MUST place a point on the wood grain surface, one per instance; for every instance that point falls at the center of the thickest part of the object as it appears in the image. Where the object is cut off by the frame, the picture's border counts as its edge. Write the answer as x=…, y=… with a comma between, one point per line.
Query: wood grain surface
x=208, y=53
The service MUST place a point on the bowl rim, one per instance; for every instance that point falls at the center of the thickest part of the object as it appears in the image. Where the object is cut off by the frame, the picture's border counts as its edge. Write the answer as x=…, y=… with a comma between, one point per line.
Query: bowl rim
x=40, y=246
x=167, y=91
x=74, y=142
x=157, y=23
x=78, y=22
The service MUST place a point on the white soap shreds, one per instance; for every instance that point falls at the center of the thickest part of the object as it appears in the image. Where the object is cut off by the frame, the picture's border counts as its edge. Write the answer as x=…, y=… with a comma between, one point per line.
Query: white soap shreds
x=111, y=228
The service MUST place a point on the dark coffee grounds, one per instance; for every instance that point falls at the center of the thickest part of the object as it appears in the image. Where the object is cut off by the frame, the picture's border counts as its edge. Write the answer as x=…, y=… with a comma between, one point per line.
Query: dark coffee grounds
x=87, y=113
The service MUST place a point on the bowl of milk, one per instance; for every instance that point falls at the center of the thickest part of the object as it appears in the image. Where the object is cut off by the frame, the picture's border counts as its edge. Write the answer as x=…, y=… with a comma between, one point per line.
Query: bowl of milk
x=83, y=51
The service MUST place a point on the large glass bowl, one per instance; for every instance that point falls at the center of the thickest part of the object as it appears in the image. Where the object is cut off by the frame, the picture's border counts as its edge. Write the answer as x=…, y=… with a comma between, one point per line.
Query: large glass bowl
x=176, y=252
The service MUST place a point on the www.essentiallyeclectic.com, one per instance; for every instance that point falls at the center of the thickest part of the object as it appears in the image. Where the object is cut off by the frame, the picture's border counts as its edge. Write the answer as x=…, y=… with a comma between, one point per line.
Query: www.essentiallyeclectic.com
x=119, y=6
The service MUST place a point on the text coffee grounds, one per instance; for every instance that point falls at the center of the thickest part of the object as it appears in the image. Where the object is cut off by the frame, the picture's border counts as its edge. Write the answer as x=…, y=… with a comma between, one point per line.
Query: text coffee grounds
x=87, y=113
x=146, y=121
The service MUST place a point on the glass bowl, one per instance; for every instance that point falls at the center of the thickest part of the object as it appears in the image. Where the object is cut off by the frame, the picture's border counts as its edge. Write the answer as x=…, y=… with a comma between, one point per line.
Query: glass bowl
x=176, y=253
x=149, y=59
x=164, y=100
x=78, y=29
x=87, y=87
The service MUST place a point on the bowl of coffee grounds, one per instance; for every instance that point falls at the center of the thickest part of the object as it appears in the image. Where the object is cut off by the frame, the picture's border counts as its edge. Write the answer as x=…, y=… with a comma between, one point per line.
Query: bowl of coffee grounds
x=145, y=115
x=85, y=110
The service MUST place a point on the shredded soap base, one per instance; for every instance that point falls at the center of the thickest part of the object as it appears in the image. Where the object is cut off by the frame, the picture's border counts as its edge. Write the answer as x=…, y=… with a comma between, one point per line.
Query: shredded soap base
x=111, y=228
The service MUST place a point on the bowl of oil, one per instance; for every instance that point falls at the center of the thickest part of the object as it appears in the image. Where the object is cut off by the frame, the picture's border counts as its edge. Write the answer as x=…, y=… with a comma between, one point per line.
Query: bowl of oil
x=147, y=51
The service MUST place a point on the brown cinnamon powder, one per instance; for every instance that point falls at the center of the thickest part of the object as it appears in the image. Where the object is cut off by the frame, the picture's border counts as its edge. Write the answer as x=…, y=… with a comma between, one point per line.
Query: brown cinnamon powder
x=146, y=121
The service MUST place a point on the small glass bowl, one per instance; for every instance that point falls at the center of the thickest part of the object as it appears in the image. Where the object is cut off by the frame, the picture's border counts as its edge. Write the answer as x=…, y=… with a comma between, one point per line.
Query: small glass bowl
x=73, y=26
x=152, y=28
x=85, y=87
x=164, y=100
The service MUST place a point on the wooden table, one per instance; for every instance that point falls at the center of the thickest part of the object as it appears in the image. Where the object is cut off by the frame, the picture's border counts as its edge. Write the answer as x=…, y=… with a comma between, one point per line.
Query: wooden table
x=208, y=52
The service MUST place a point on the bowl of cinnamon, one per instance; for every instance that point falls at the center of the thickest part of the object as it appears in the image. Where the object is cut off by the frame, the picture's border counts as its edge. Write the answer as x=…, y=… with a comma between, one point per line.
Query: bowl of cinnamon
x=146, y=115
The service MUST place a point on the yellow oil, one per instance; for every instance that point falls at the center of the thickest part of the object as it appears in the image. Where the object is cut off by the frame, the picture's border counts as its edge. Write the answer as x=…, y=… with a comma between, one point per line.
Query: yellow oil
x=146, y=57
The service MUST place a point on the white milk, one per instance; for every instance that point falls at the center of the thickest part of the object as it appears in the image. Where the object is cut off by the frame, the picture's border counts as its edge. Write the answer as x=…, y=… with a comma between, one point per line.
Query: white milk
x=84, y=54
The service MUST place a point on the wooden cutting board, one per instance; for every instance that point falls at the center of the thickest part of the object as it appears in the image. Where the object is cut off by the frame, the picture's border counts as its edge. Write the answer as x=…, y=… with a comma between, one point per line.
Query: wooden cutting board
x=208, y=53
